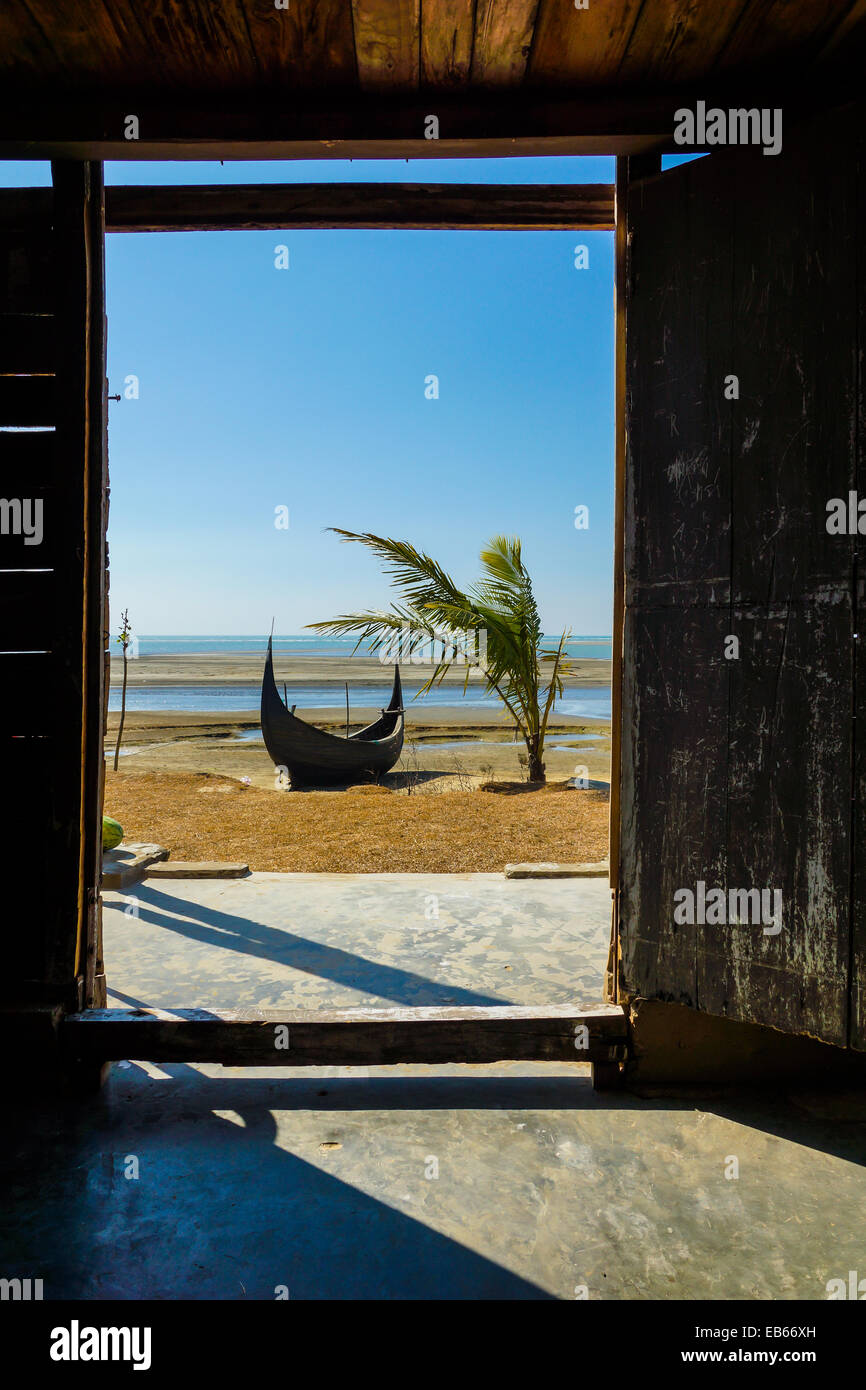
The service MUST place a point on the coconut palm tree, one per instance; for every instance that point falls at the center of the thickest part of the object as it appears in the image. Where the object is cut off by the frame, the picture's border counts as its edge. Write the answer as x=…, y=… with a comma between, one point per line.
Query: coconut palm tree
x=496, y=618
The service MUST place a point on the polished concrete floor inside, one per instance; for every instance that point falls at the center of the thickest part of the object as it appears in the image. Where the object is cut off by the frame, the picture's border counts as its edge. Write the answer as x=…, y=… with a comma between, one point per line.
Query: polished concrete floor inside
x=513, y=1181
x=504, y=1182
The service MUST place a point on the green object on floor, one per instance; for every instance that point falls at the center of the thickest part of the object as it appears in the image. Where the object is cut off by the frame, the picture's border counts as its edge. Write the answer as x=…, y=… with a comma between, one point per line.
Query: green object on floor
x=112, y=833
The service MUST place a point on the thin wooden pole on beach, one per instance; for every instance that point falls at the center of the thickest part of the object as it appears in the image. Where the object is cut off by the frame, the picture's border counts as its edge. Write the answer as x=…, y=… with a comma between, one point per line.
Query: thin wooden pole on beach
x=123, y=639
x=347, y=709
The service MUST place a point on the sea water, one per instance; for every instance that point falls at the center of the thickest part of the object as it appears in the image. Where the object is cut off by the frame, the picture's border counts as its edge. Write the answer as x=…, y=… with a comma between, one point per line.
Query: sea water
x=585, y=702
x=315, y=645
x=589, y=702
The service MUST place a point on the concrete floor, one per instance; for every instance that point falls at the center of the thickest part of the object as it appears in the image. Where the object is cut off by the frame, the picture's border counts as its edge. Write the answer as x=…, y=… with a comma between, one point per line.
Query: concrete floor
x=325, y=1182
x=317, y=941
x=513, y=1181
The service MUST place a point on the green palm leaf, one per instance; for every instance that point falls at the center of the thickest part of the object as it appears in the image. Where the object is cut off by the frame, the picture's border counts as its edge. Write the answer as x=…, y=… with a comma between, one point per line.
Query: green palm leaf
x=500, y=604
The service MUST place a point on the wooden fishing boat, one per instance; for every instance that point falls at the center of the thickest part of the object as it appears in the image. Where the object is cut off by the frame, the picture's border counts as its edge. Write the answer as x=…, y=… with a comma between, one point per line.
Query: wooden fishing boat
x=312, y=756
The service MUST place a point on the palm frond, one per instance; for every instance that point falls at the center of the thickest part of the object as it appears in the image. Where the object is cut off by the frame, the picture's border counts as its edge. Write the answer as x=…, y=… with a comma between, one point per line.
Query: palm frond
x=501, y=604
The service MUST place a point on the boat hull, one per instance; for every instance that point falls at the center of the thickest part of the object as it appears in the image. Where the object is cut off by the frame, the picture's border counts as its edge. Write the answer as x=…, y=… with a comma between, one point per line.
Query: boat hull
x=312, y=757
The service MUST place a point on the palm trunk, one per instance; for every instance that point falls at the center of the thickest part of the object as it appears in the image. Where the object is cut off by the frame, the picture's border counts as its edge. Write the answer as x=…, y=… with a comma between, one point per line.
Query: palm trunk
x=536, y=765
x=122, y=712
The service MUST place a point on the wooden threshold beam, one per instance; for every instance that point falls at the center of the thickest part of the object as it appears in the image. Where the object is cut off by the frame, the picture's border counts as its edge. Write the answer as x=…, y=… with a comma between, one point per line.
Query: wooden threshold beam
x=348, y=1037
x=458, y=207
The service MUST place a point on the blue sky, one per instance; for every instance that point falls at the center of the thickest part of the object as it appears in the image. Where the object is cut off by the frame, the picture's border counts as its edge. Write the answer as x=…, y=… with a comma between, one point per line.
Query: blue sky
x=305, y=388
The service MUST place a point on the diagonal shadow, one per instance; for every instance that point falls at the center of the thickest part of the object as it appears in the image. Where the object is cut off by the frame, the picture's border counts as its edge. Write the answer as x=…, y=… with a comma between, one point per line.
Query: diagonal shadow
x=220, y=1211
x=232, y=933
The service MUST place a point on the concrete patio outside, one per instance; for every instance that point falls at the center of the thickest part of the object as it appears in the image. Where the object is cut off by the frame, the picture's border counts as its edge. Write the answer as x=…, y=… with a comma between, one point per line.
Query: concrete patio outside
x=334, y=940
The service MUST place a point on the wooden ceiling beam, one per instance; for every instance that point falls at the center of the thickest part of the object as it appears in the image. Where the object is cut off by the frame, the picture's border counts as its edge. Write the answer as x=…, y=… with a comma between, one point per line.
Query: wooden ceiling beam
x=413, y=207
x=378, y=125
x=372, y=126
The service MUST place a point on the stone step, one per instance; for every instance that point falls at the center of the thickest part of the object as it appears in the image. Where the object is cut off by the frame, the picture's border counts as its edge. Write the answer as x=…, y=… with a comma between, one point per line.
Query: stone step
x=586, y=870
x=203, y=868
x=128, y=863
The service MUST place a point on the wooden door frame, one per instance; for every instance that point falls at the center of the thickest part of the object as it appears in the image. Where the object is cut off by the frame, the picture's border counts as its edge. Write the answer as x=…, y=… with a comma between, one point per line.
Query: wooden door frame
x=629, y=168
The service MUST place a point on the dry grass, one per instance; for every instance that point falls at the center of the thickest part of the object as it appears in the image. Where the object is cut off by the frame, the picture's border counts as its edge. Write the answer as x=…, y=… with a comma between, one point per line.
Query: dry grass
x=364, y=830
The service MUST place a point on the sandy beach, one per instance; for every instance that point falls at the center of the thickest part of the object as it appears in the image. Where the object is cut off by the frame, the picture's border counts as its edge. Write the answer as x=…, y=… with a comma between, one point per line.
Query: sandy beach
x=450, y=747
x=238, y=668
x=447, y=749
x=183, y=773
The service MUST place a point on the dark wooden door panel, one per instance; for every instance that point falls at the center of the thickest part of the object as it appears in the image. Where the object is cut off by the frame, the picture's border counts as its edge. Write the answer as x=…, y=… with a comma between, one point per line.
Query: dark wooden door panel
x=677, y=533
x=673, y=794
x=52, y=592
x=737, y=759
x=788, y=824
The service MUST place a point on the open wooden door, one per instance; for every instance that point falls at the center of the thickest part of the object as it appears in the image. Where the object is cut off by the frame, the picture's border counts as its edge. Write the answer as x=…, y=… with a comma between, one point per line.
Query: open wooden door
x=52, y=585
x=741, y=767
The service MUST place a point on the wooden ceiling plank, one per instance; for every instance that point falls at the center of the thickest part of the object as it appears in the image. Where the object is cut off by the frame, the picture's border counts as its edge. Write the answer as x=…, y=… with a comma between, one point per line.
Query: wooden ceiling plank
x=503, y=41
x=311, y=44
x=678, y=40
x=187, y=43
x=580, y=47
x=855, y=18
x=97, y=42
x=447, y=28
x=24, y=45
x=387, y=43
x=783, y=29
x=201, y=43
x=249, y=50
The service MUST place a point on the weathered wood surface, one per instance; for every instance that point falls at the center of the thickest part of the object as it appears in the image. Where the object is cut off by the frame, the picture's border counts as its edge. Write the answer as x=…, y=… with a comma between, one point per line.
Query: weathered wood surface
x=580, y=46
x=94, y=634
x=23, y=593
x=28, y=590
x=669, y=43
x=387, y=43
x=858, y=769
x=25, y=210
x=237, y=45
x=26, y=703
x=446, y=43
x=26, y=343
x=59, y=855
x=311, y=42
x=131, y=208
x=244, y=79
x=737, y=772
x=27, y=400
x=348, y=1037
x=489, y=122
x=26, y=272
x=503, y=40
x=27, y=460
x=611, y=974
x=858, y=878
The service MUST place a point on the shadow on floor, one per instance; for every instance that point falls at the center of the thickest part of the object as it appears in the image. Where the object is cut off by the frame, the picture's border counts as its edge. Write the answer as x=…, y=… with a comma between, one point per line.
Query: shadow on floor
x=218, y=1211
x=286, y=948
x=228, y=1205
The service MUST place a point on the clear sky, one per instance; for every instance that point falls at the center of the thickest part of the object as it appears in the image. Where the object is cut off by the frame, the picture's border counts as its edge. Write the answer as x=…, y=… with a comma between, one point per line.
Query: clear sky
x=305, y=389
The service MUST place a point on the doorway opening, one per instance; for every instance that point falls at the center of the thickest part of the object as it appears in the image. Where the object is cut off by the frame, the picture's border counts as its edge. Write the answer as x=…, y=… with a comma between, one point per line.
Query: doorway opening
x=438, y=388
